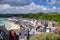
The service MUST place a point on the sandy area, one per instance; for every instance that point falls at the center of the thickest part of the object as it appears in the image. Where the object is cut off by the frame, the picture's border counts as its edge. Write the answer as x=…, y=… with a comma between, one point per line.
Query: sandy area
x=13, y=26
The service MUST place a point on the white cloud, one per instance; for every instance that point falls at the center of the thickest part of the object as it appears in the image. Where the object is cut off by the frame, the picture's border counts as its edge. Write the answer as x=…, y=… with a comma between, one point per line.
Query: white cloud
x=5, y=6
x=54, y=8
x=32, y=8
x=16, y=2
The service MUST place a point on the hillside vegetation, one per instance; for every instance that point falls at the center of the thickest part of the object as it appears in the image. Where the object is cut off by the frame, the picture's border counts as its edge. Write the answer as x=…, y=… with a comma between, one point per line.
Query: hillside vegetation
x=48, y=16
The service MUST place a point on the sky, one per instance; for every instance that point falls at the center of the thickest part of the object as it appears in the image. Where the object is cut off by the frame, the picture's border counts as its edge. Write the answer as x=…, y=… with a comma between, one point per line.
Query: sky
x=29, y=6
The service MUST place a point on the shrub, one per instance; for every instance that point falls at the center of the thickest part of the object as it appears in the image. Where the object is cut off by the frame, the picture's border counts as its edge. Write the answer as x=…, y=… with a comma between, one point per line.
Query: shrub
x=46, y=36
x=56, y=31
x=58, y=25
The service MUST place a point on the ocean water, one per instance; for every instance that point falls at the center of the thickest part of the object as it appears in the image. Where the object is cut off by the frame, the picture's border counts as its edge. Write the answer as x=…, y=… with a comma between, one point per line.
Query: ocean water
x=5, y=23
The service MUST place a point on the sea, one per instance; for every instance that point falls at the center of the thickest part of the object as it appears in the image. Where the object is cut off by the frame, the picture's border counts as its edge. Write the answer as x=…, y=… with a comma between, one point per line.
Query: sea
x=5, y=23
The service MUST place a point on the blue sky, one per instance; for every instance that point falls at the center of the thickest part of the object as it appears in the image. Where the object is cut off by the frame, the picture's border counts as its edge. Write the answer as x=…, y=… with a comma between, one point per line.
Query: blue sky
x=29, y=6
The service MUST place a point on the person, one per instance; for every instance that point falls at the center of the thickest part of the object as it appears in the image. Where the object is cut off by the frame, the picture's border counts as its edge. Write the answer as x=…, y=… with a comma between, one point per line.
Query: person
x=1, y=38
x=12, y=35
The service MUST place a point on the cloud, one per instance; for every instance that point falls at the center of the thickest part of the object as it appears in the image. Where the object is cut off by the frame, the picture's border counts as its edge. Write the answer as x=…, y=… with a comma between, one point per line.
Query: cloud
x=4, y=6
x=53, y=1
x=32, y=8
x=16, y=2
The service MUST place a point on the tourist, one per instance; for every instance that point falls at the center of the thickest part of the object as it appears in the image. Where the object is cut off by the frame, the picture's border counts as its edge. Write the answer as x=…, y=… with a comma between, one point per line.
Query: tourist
x=12, y=35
